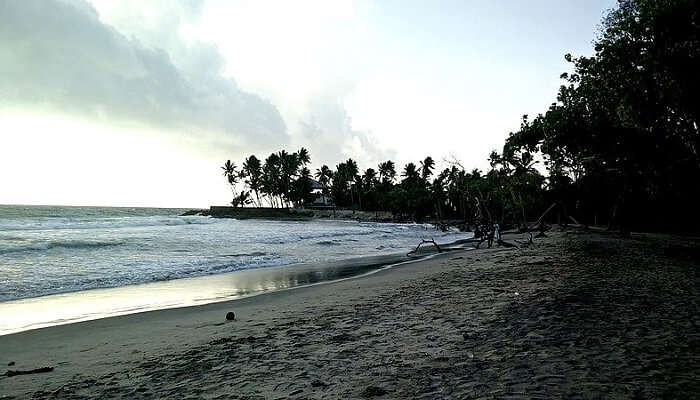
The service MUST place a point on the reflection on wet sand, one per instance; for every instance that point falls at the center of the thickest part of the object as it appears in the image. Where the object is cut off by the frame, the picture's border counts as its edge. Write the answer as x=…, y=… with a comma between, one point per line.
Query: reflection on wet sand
x=32, y=313
x=244, y=283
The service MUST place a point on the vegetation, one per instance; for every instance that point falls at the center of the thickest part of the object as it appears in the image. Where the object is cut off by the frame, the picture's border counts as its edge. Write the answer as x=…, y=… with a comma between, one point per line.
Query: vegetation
x=621, y=142
x=618, y=147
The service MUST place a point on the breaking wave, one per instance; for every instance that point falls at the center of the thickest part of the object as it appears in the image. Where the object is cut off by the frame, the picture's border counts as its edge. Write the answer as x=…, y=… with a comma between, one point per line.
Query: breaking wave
x=41, y=224
x=48, y=245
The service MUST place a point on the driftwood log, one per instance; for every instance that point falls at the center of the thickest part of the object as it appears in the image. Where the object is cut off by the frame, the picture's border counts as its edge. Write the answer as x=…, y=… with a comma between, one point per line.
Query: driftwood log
x=422, y=242
x=11, y=372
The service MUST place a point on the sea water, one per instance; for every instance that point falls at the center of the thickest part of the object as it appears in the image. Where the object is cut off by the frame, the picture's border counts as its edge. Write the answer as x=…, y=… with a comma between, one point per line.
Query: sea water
x=46, y=251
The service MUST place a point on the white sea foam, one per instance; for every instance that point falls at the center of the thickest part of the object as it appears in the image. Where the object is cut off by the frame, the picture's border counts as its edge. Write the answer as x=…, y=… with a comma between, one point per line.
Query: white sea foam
x=71, y=249
x=53, y=223
x=51, y=244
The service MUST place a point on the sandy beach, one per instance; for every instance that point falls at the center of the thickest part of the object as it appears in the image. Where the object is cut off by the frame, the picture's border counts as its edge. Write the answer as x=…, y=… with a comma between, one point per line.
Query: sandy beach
x=575, y=315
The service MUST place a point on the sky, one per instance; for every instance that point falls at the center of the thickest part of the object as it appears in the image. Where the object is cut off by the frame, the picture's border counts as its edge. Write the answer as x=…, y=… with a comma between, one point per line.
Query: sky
x=132, y=103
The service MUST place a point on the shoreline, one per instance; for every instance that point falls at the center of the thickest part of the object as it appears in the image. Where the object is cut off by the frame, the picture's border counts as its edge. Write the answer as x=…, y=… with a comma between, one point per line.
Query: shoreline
x=210, y=288
x=194, y=291
x=62, y=305
x=579, y=315
x=90, y=346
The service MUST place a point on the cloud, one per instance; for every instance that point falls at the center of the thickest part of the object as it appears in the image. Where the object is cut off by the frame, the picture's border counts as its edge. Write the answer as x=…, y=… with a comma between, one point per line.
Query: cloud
x=306, y=57
x=61, y=56
x=329, y=134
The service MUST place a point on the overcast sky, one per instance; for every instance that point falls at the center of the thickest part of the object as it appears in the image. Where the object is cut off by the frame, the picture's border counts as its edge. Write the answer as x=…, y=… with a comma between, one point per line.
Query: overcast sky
x=108, y=102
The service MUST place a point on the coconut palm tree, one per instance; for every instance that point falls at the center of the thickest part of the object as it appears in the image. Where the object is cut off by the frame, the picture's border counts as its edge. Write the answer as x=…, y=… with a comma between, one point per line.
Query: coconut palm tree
x=427, y=167
x=410, y=172
x=242, y=199
x=387, y=171
x=252, y=171
x=270, y=179
x=351, y=172
x=369, y=178
x=302, y=189
x=303, y=157
x=231, y=174
x=324, y=176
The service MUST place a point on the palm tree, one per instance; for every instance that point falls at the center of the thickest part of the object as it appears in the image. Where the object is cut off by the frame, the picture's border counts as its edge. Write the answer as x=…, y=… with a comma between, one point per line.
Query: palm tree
x=387, y=171
x=437, y=189
x=324, y=176
x=289, y=167
x=369, y=178
x=427, y=166
x=303, y=157
x=270, y=180
x=231, y=175
x=525, y=163
x=241, y=199
x=229, y=168
x=410, y=172
x=351, y=170
x=358, y=189
x=253, y=171
x=387, y=174
x=339, y=186
x=302, y=187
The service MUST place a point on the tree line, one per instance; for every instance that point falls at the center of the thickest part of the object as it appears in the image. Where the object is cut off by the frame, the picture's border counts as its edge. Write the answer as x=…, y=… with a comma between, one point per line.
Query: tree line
x=415, y=192
x=618, y=147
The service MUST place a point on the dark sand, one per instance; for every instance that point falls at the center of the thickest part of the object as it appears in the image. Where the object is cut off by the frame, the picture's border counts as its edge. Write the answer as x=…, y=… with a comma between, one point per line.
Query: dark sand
x=576, y=315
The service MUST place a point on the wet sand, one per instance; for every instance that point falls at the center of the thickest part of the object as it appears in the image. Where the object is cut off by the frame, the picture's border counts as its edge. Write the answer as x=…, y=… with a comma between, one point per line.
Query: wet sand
x=59, y=309
x=576, y=315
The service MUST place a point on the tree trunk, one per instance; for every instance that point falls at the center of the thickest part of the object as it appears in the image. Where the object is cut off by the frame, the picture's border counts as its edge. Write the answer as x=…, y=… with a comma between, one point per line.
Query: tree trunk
x=257, y=196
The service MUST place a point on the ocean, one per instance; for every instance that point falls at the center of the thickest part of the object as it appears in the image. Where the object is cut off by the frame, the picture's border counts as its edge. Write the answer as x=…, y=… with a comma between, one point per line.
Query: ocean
x=56, y=256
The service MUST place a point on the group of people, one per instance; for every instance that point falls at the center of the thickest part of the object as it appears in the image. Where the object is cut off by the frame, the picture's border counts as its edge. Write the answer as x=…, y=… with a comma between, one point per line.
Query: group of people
x=486, y=229
x=488, y=232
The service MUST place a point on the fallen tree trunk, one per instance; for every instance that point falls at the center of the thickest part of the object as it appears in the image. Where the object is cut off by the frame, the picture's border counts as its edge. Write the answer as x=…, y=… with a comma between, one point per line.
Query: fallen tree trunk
x=539, y=220
x=11, y=372
x=423, y=241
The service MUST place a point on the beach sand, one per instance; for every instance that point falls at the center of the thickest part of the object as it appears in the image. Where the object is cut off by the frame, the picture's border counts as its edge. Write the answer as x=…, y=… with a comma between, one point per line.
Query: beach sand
x=575, y=315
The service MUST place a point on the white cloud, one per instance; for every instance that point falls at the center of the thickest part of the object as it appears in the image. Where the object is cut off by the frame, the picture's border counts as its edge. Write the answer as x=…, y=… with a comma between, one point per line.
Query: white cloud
x=304, y=56
x=329, y=131
x=59, y=55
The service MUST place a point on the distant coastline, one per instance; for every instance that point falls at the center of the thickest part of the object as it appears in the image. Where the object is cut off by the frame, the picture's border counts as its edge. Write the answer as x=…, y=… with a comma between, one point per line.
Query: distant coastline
x=317, y=213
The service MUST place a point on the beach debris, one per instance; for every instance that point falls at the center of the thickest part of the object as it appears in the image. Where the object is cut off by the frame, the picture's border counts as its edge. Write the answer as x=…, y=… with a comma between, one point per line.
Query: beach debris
x=230, y=316
x=422, y=242
x=11, y=372
x=11, y=363
x=373, y=391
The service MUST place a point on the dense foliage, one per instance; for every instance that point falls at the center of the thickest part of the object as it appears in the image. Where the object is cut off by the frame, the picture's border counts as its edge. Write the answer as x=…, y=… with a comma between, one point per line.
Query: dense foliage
x=621, y=142
x=619, y=146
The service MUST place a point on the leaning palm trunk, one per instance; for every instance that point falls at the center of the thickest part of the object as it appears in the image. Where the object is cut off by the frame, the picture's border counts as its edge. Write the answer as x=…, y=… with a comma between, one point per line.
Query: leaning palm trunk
x=518, y=203
x=257, y=196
